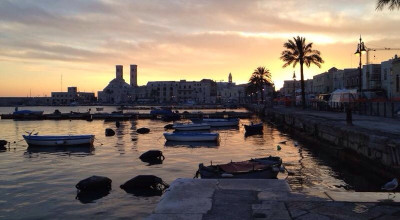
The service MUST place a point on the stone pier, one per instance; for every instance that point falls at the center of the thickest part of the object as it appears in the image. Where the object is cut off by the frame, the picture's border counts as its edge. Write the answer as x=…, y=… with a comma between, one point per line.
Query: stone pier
x=376, y=139
x=232, y=199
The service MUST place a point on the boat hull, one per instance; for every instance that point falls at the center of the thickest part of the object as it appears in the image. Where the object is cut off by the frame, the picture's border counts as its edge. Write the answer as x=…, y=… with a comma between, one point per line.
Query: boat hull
x=81, y=140
x=191, y=136
x=256, y=128
x=191, y=127
x=258, y=174
x=219, y=122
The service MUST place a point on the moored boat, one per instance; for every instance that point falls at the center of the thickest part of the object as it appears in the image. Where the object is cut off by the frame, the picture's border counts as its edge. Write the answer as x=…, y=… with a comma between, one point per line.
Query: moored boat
x=191, y=136
x=254, y=128
x=61, y=140
x=259, y=168
x=218, y=122
x=27, y=112
x=191, y=126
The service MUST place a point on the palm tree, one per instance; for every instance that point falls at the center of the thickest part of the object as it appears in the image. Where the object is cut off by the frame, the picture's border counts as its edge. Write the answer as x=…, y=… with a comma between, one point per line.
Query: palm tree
x=297, y=51
x=392, y=4
x=261, y=77
x=250, y=90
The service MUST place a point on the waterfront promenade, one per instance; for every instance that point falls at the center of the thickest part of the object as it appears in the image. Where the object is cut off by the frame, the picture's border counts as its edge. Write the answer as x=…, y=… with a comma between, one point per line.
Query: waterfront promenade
x=208, y=199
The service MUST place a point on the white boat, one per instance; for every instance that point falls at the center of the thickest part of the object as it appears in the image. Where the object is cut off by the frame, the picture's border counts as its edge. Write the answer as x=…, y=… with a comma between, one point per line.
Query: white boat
x=218, y=122
x=191, y=126
x=66, y=140
x=191, y=136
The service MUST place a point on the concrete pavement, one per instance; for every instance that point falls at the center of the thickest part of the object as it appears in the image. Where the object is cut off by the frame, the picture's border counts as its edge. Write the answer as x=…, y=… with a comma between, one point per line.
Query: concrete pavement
x=268, y=199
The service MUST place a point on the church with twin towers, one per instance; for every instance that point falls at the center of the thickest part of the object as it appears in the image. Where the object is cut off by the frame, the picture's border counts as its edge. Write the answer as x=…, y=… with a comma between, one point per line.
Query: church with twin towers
x=205, y=91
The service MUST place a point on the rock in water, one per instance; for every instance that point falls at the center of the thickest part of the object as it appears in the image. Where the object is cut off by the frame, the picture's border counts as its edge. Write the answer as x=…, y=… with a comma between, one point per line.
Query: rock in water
x=149, y=182
x=94, y=183
x=110, y=132
x=143, y=130
x=3, y=143
x=169, y=126
x=152, y=157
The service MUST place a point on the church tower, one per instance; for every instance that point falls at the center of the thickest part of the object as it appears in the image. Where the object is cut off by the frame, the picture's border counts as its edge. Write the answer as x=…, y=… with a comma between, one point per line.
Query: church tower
x=230, y=78
x=119, y=72
x=134, y=75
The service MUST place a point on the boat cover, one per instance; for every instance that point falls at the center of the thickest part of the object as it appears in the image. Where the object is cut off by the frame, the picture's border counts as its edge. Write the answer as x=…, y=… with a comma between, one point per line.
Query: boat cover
x=244, y=166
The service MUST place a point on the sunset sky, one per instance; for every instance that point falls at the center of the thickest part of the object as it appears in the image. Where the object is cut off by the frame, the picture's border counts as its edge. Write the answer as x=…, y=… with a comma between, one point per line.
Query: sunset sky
x=83, y=40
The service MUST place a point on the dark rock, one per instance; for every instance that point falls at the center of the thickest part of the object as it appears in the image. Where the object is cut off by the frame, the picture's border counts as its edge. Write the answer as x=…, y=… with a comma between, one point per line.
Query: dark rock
x=169, y=126
x=144, y=182
x=143, y=130
x=94, y=184
x=3, y=143
x=152, y=157
x=110, y=132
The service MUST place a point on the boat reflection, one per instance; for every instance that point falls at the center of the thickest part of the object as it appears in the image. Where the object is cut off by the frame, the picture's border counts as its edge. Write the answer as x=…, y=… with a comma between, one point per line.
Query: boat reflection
x=248, y=134
x=192, y=144
x=62, y=151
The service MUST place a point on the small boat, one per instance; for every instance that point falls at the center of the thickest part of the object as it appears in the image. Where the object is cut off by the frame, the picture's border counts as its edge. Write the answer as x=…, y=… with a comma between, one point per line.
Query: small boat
x=27, y=112
x=218, y=122
x=64, y=140
x=99, y=109
x=191, y=136
x=254, y=128
x=161, y=111
x=191, y=126
x=171, y=117
x=259, y=168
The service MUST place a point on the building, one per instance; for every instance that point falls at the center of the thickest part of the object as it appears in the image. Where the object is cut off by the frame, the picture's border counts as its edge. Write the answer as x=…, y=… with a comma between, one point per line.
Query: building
x=117, y=91
x=323, y=83
x=289, y=86
x=395, y=79
x=351, y=78
x=371, y=77
x=72, y=96
x=133, y=75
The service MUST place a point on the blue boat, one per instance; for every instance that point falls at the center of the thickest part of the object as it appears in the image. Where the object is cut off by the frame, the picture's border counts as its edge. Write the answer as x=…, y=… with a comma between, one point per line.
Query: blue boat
x=27, y=112
x=64, y=140
x=163, y=111
x=254, y=128
x=195, y=136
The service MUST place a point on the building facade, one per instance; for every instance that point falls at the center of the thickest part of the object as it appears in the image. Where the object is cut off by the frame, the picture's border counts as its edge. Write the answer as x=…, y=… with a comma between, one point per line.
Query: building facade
x=395, y=79
x=323, y=83
x=72, y=96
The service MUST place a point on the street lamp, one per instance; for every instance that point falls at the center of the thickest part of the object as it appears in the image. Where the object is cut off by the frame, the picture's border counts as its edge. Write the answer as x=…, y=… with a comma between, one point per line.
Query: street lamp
x=294, y=88
x=360, y=50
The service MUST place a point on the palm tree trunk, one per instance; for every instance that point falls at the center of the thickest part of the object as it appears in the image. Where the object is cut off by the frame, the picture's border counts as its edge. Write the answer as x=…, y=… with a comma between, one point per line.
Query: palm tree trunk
x=303, y=94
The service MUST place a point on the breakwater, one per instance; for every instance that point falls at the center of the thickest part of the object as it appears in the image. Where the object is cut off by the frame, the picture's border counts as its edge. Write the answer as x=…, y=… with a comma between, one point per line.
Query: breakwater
x=124, y=116
x=373, y=143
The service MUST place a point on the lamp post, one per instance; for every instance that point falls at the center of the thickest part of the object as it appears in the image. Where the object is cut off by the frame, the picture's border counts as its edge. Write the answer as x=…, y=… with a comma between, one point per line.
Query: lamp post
x=294, y=88
x=360, y=50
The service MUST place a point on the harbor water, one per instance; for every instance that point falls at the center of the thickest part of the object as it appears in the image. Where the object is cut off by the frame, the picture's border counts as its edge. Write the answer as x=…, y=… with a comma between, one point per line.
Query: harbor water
x=40, y=183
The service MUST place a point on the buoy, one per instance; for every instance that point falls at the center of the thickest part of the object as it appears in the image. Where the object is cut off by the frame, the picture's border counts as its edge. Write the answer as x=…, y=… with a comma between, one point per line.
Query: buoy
x=278, y=147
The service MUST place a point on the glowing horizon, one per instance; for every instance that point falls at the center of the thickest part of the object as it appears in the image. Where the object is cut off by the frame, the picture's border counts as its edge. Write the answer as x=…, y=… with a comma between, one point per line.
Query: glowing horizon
x=83, y=41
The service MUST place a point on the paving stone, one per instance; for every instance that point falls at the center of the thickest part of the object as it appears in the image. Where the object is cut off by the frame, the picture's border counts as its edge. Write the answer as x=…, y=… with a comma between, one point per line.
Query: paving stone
x=256, y=184
x=269, y=205
x=279, y=214
x=297, y=212
x=386, y=209
x=246, y=197
x=344, y=210
x=174, y=217
x=362, y=197
x=231, y=212
x=313, y=216
x=292, y=196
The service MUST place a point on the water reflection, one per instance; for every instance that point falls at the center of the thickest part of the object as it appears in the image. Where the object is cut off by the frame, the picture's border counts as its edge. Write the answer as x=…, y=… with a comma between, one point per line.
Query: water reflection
x=61, y=151
x=145, y=192
x=191, y=144
x=259, y=133
x=90, y=197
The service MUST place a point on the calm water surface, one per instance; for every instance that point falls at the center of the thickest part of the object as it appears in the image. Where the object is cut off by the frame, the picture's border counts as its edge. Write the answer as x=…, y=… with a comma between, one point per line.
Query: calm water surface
x=38, y=184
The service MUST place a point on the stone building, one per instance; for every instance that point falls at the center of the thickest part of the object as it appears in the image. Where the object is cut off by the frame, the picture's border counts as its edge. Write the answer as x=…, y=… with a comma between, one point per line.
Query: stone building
x=371, y=77
x=323, y=83
x=72, y=96
x=351, y=78
x=395, y=79
x=117, y=91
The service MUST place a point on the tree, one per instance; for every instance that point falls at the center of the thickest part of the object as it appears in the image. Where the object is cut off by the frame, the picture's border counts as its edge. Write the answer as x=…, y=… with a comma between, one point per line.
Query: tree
x=297, y=51
x=250, y=90
x=261, y=77
x=392, y=4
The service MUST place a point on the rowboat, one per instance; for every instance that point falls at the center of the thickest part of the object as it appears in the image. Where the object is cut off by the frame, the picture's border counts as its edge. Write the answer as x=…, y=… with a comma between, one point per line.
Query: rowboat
x=65, y=140
x=254, y=128
x=27, y=112
x=191, y=126
x=218, y=122
x=259, y=168
x=191, y=136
